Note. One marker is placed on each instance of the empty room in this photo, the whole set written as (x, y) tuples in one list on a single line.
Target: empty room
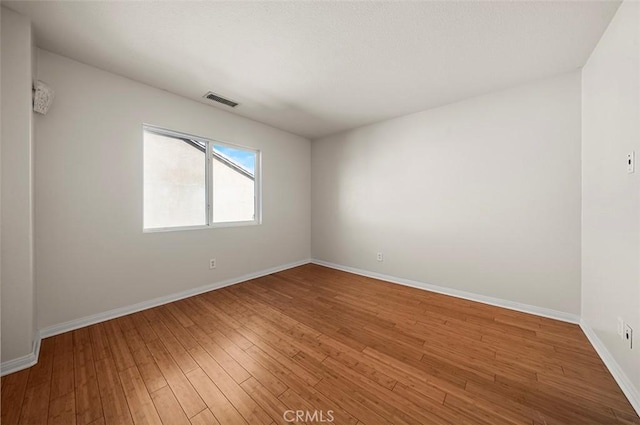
[(320, 212)]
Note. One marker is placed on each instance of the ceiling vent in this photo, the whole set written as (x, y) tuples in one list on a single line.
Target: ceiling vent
[(214, 97)]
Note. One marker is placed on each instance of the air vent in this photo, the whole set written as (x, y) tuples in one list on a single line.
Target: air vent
[(220, 99)]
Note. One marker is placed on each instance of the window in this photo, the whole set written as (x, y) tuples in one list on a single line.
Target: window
[(192, 182)]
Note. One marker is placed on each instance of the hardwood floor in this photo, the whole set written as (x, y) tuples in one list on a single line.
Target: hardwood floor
[(349, 349)]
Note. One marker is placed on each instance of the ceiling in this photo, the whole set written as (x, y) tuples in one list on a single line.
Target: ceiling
[(317, 68)]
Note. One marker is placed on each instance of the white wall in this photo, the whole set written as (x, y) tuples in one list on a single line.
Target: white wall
[(481, 196), (18, 309), (610, 196), (92, 254)]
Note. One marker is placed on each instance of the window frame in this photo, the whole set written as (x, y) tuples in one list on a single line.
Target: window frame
[(209, 143)]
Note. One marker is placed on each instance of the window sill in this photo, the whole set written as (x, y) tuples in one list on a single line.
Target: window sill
[(203, 227)]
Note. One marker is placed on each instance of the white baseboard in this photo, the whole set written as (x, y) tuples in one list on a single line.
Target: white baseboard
[(32, 358), (23, 362), (511, 305), (627, 387), (123, 311)]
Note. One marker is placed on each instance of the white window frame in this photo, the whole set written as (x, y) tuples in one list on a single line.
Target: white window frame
[(209, 143)]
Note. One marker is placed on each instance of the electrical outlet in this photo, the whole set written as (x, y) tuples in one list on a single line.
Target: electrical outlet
[(380, 256), (620, 328), (631, 162), (212, 263), (628, 335)]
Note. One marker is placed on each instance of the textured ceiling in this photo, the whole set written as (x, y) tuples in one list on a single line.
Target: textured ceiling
[(317, 68)]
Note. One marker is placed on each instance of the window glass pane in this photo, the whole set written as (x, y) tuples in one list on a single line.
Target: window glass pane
[(174, 182), (233, 172)]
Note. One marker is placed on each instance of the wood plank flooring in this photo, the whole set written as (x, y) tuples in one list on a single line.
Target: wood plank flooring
[(347, 349)]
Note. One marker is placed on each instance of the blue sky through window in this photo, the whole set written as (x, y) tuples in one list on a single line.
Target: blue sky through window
[(245, 158)]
